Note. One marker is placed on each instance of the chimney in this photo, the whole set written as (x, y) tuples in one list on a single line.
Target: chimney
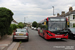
[(70, 9), (63, 13), (58, 14)]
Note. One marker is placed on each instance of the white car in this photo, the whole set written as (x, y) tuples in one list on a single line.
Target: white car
[(38, 28), (32, 28), (21, 34)]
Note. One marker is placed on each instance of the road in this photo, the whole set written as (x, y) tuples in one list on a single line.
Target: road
[(38, 43)]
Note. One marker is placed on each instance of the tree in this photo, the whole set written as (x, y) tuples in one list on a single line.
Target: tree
[(21, 25), (39, 24), (5, 20), (34, 24), (10, 30)]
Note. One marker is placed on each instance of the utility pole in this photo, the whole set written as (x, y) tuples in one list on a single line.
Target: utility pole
[(24, 20), (53, 10)]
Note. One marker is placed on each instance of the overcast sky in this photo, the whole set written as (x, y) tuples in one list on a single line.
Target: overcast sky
[(36, 10)]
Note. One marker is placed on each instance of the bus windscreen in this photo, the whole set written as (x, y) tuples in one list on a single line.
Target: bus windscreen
[(54, 26)]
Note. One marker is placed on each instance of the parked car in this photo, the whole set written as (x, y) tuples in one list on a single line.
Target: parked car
[(26, 28), (71, 33), (32, 28), (21, 34), (38, 28)]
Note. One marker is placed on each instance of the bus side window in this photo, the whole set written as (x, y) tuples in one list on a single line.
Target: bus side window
[(41, 31)]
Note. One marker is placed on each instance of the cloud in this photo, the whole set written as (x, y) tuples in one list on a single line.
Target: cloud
[(35, 10)]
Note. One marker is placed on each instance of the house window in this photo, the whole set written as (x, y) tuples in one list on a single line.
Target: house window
[(73, 16)]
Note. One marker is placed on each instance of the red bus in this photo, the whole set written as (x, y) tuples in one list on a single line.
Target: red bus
[(56, 28)]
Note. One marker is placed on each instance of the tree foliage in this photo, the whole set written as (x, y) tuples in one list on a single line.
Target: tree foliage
[(11, 28), (39, 24), (21, 25), (14, 26), (34, 24), (5, 20)]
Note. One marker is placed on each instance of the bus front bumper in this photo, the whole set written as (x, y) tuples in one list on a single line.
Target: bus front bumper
[(57, 37)]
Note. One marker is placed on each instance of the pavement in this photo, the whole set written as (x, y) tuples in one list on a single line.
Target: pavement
[(13, 46), (5, 41)]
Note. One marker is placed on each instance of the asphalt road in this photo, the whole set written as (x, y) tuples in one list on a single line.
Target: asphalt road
[(38, 43)]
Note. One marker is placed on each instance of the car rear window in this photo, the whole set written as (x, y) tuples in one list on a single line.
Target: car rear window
[(21, 30)]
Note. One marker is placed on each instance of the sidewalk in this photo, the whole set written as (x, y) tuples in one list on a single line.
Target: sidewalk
[(5, 41)]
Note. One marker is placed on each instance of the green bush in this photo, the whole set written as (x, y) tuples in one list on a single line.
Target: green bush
[(14, 26), (11, 28)]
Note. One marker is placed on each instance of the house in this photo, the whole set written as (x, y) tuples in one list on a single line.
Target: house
[(14, 22), (70, 15)]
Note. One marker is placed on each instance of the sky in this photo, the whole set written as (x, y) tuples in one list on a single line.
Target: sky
[(36, 10)]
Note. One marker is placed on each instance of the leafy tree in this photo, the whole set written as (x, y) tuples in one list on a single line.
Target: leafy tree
[(39, 24), (34, 24), (5, 20), (21, 25)]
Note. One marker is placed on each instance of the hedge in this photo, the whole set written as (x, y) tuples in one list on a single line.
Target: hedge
[(5, 20), (11, 28)]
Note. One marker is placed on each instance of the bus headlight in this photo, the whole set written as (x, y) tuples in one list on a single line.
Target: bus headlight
[(49, 34), (66, 34)]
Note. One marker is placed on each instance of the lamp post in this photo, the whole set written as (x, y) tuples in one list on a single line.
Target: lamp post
[(25, 19), (53, 10)]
